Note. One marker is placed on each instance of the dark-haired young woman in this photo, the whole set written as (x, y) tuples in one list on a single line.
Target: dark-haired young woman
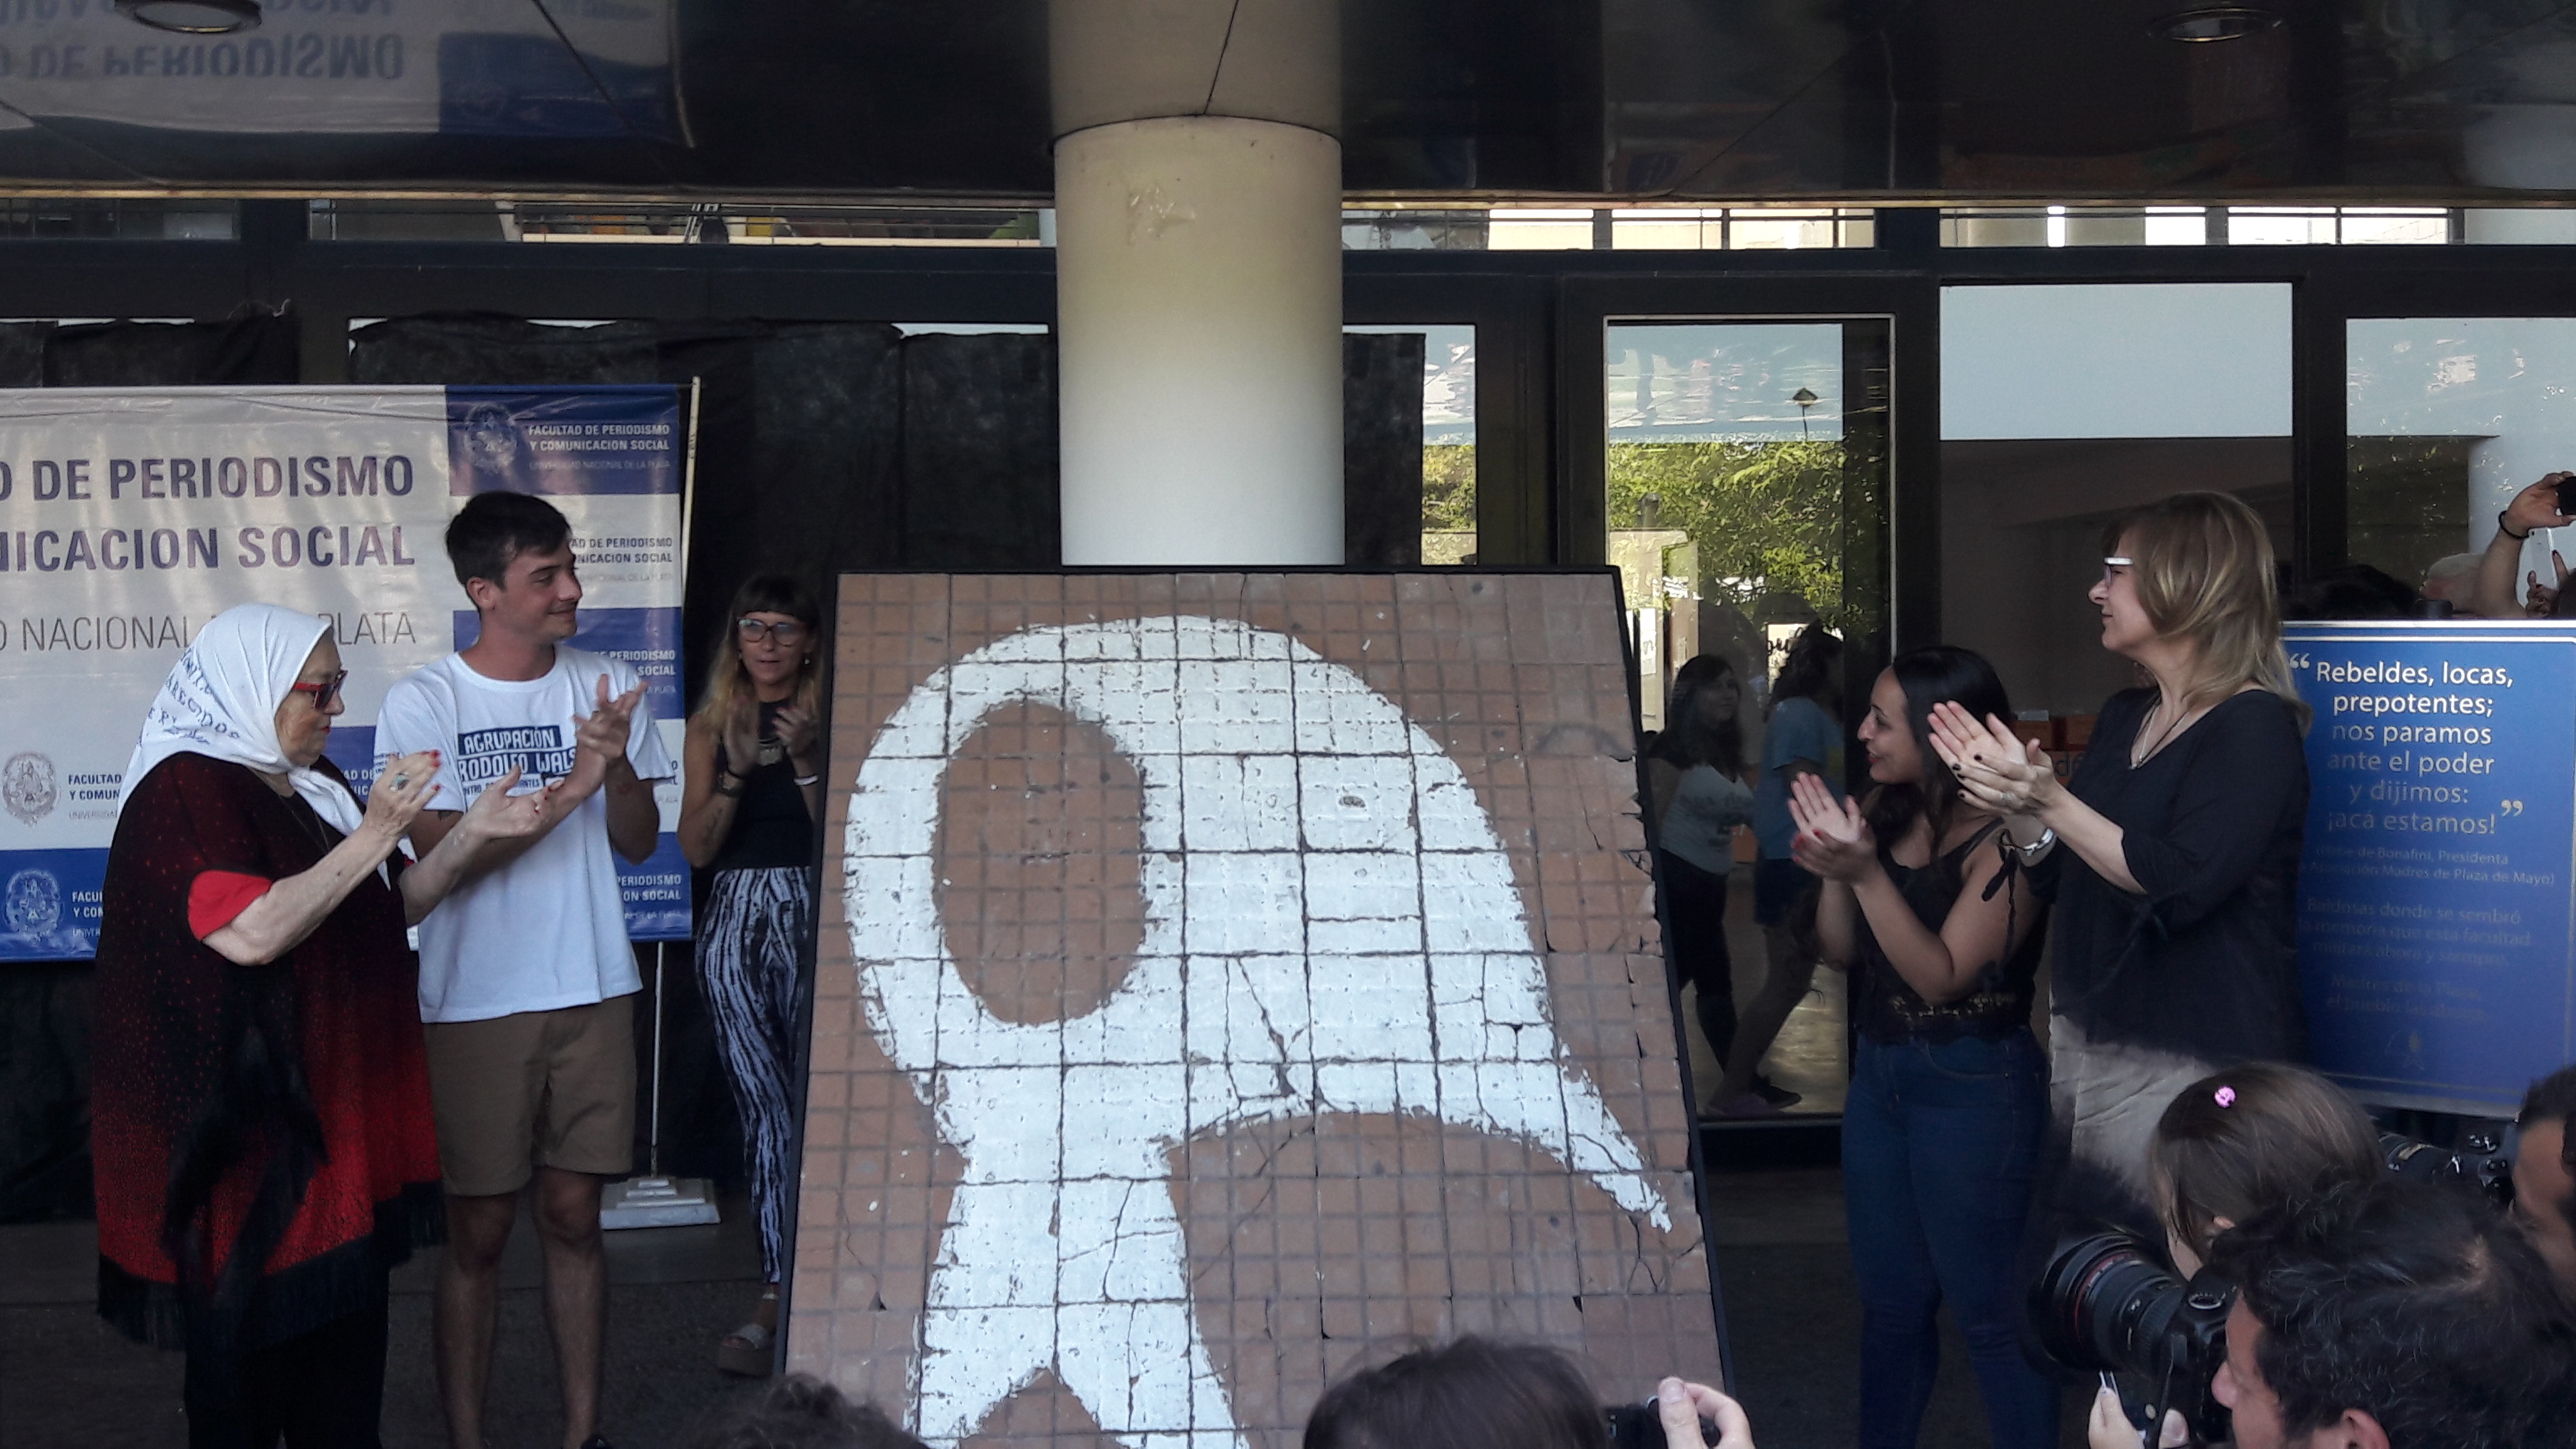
[(1696, 772), (754, 791), (1948, 1096)]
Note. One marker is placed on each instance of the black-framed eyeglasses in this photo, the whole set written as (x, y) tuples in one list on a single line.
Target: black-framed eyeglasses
[(323, 692), (751, 631)]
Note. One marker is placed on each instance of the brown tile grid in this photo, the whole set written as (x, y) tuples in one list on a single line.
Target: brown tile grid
[(1315, 1244)]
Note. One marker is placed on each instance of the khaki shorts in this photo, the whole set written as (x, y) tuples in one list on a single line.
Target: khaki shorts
[(535, 1089)]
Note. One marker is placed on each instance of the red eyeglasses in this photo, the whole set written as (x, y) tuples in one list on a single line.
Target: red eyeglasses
[(324, 692)]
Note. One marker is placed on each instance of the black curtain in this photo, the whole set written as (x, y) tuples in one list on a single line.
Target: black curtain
[(824, 448), (45, 1005)]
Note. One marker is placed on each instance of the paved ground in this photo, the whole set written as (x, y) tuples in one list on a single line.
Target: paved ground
[(1794, 1319), (67, 1379)]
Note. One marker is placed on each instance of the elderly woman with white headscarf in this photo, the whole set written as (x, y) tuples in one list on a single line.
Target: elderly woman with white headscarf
[(260, 1102)]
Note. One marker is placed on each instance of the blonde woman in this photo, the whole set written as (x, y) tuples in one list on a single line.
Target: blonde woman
[(755, 777), (2172, 853)]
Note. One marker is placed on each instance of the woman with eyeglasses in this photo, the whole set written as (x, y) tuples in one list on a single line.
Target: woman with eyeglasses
[(754, 792), (2172, 853), (260, 1095)]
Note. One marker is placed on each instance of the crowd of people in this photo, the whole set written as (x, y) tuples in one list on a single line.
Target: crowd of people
[(2167, 1102), (289, 1101)]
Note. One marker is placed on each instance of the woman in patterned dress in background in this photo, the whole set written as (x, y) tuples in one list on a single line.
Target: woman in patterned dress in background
[(754, 771)]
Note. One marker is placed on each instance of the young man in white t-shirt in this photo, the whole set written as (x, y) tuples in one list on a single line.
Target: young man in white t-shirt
[(527, 981)]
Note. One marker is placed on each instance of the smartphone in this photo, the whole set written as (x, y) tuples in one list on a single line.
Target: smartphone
[(2567, 498)]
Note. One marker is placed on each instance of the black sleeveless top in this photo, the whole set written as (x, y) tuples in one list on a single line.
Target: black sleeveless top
[(771, 828), (1889, 1012)]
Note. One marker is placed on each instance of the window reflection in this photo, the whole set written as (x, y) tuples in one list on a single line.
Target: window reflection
[(2063, 406), (1727, 475), (2446, 418)]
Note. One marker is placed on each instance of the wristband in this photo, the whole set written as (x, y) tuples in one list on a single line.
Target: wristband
[(2507, 529), (2031, 853), (813, 779)]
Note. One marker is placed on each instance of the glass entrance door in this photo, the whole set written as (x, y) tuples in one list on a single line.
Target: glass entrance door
[(1746, 489), (1745, 501)]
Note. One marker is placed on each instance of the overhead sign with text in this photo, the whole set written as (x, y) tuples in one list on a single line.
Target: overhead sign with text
[(2437, 931), (129, 518), (497, 68)]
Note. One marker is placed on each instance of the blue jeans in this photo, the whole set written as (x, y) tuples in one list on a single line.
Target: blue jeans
[(1938, 1142)]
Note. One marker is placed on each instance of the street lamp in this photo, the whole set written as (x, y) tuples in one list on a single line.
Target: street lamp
[(1805, 400)]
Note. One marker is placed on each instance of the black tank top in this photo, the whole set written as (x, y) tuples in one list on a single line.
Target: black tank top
[(771, 827), (1889, 1012)]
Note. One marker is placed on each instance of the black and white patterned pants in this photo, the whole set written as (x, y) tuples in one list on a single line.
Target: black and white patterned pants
[(752, 950)]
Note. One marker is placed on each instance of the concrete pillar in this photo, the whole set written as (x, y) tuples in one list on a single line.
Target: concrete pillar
[(1198, 280)]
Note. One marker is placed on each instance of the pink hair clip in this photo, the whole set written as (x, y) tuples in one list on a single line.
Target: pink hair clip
[(2226, 1096)]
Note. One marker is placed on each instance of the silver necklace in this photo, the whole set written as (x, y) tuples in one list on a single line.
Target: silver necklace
[(2138, 756)]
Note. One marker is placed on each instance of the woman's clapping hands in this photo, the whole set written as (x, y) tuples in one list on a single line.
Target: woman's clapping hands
[(1996, 768), (1833, 840), (402, 787)]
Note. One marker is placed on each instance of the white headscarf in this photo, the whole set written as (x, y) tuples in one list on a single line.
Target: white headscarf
[(221, 700)]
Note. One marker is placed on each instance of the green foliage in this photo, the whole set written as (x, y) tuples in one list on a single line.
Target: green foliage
[(1449, 487), (1766, 516)]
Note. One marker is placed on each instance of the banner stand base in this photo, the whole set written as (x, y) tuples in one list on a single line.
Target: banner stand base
[(657, 1202)]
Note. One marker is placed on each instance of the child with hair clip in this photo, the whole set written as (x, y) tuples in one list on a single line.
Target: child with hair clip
[(2230, 1145)]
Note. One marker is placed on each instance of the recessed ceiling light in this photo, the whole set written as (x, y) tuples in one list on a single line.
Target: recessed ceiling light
[(192, 17), (2214, 22)]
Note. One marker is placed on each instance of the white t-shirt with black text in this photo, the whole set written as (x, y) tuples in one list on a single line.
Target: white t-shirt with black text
[(547, 930)]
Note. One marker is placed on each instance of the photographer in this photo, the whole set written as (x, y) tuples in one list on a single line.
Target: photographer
[(2396, 1314), (2544, 1174), (2249, 1138), (2229, 1147)]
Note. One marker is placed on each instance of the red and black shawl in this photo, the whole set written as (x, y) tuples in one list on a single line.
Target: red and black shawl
[(262, 1134)]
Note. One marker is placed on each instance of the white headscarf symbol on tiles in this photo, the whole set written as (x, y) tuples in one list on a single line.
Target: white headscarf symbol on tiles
[(1330, 925)]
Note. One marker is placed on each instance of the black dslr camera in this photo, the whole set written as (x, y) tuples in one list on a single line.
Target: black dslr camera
[(2107, 1303), (2482, 1166), (1641, 1426)]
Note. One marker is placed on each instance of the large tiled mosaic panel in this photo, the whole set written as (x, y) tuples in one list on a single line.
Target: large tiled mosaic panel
[(1227, 980)]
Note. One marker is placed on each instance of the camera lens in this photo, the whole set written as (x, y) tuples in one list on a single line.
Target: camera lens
[(2106, 1301)]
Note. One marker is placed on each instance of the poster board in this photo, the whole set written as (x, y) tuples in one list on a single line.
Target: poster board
[(129, 517), (1226, 979), (2437, 929)]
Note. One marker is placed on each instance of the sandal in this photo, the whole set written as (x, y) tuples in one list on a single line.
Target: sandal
[(749, 1352)]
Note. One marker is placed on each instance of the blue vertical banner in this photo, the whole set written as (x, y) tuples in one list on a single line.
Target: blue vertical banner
[(614, 460), (2437, 907), (130, 517)]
